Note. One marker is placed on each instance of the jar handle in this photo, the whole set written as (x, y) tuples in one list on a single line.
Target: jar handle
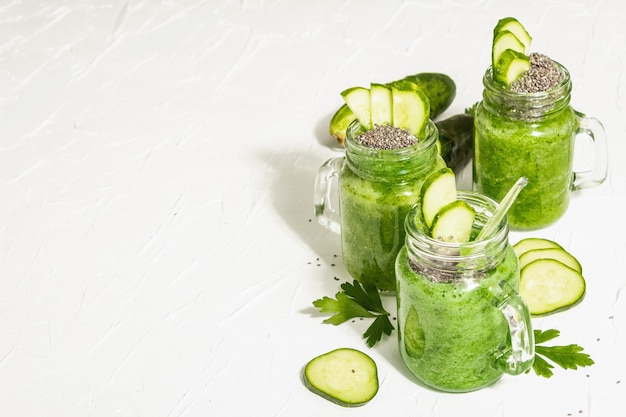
[(520, 355), (593, 128), (325, 213)]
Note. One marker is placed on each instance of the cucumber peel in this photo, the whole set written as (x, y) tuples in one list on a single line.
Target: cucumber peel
[(548, 286), (345, 376)]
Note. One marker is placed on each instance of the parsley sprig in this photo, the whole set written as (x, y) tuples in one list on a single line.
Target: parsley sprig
[(358, 300), (567, 357)]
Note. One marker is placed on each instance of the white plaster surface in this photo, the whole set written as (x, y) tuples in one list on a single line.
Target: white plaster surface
[(158, 249)]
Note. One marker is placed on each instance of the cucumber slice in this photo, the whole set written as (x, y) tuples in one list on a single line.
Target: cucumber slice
[(340, 122), (438, 190), (548, 286), (454, 222), (558, 254), (512, 25), (501, 42), (358, 99), (380, 105), (510, 66), (532, 243), (411, 107), (345, 376)]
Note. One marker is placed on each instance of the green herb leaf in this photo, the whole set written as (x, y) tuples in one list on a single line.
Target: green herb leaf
[(375, 332), (567, 357), (358, 300), (343, 308), (365, 294), (542, 367), (544, 336)]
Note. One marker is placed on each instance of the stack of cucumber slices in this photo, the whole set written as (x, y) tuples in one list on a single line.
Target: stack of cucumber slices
[(509, 51), (551, 278), (401, 104), (448, 218)]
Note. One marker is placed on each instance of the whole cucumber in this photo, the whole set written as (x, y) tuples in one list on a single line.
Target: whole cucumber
[(439, 88), (456, 137)]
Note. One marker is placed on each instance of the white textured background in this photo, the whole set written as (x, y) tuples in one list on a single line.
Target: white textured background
[(158, 255)]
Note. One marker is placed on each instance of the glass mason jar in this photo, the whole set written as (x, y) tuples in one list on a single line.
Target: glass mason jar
[(461, 323), (532, 135), (375, 190)]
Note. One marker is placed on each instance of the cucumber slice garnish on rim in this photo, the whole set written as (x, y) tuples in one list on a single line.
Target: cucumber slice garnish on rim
[(438, 190), (411, 107), (503, 41), (358, 100), (513, 25), (510, 66), (345, 376), (381, 106), (548, 286), (453, 223)]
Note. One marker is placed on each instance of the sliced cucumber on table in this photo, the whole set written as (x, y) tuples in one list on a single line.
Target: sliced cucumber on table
[(548, 286), (558, 254), (532, 243), (345, 376)]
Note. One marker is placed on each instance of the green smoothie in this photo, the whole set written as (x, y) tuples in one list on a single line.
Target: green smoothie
[(377, 187), (506, 149), (451, 330), (527, 134), (372, 230)]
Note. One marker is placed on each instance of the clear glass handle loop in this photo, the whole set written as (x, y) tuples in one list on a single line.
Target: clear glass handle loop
[(593, 128), (519, 357), (325, 213)]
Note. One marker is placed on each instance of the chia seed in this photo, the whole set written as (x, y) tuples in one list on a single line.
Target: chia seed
[(542, 75), (387, 137)]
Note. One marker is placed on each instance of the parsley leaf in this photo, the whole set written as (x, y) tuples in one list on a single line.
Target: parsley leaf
[(567, 357), (358, 300)]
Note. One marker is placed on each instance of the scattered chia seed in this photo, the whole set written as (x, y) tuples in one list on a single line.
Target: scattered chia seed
[(542, 75), (387, 137)]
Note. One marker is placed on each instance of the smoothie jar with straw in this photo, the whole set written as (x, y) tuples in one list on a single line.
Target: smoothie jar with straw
[(461, 323)]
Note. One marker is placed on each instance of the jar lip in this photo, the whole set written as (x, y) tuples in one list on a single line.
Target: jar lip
[(564, 86), (456, 251), (355, 129)]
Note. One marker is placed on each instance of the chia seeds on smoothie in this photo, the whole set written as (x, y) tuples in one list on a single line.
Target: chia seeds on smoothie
[(387, 137), (542, 75)]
